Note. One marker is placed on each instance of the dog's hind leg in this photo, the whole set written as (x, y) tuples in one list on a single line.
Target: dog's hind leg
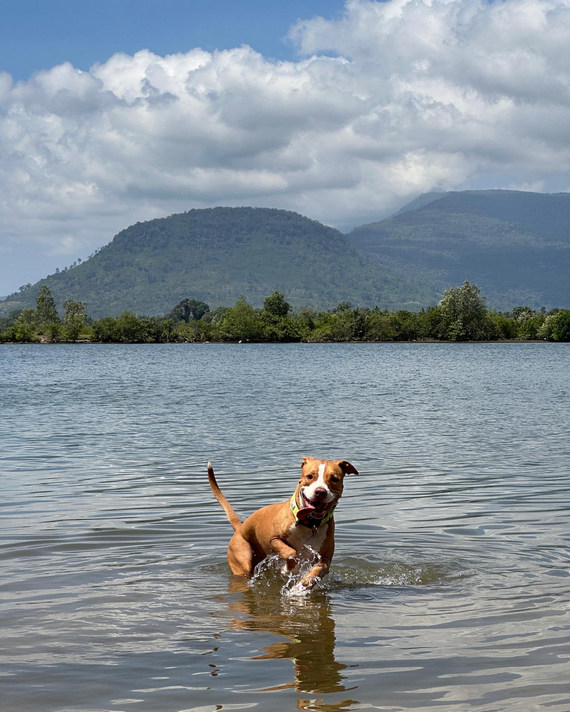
[(240, 556)]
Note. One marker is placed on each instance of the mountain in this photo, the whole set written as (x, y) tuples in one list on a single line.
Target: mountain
[(514, 245), (218, 254)]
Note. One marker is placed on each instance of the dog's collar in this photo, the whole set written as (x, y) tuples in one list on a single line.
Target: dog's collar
[(308, 521)]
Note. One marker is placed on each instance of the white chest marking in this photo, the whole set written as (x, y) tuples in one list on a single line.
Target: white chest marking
[(301, 536)]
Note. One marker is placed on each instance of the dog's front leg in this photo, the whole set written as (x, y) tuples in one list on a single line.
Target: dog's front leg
[(318, 572), (285, 552)]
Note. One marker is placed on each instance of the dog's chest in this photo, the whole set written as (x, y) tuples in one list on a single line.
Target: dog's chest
[(300, 536)]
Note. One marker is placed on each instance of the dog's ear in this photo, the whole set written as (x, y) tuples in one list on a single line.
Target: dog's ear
[(347, 468), (305, 460)]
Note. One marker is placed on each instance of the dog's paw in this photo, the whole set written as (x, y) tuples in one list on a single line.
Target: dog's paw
[(308, 582), (289, 566), (302, 588)]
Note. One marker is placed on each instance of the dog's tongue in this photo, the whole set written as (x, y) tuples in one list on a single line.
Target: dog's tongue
[(310, 511)]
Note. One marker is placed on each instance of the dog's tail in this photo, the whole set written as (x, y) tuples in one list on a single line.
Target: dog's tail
[(228, 509)]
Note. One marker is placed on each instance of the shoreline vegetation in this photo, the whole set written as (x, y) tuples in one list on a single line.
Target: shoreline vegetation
[(460, 316)]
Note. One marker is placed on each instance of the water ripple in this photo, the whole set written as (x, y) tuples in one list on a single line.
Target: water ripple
[(450, 587)]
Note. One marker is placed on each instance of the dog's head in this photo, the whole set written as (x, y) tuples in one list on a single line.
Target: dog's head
[(321, 484)]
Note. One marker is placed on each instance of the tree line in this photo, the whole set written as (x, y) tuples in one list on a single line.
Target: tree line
[(461, 315)]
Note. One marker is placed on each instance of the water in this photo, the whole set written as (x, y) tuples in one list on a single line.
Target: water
[(450, 586)]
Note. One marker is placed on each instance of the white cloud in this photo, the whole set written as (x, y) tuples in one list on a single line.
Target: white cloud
[(392, 99)]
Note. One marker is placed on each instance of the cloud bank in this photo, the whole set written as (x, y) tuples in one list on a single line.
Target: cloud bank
[(391, 100)]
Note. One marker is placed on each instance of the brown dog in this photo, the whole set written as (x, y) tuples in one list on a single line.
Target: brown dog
[(291, 529)]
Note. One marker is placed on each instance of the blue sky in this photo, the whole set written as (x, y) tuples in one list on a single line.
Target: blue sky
[(37, 34), (117, 112)]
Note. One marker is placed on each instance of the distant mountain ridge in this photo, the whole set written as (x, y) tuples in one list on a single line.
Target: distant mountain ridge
[(514, 245), (218, 254)]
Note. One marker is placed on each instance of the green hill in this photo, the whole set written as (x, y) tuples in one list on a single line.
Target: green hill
[(515, 246), (216, 255)]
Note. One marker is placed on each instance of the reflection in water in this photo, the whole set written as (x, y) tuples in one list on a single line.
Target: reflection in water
[(306, 627)]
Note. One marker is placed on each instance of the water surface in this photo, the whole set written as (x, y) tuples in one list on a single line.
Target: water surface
[(450, 587)]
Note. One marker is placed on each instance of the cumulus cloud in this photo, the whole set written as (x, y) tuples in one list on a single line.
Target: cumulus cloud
[(390, 100)]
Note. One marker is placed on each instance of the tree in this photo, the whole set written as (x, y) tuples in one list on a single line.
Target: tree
[(379, 326), (342, 307), (405, 325), (241, 323), (278, 326), (189, 309), (157, 329), (464, 315), (73, 319), (45, 307), (52, 332), (130, 328), (429, 323), (26, 326), (556, 326), (105, 330), (505, 326), (523, 314), (528, 321), (276, 306), (197, 331)]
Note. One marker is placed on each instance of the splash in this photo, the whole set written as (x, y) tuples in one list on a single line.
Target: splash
[(271, 573), (351, 573), (355, 572)]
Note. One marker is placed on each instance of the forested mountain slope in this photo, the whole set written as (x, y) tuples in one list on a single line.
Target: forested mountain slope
[(514, 245), (218, 254)]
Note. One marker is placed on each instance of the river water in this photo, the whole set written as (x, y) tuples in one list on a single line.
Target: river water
[(450, 586)]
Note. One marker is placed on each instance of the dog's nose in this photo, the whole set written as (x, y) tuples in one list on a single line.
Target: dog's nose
[(320, 492)]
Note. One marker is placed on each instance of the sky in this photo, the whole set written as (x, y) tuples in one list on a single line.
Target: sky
[(121, 111)]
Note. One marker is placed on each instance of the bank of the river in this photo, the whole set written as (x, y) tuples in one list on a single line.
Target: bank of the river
[(460, 316)]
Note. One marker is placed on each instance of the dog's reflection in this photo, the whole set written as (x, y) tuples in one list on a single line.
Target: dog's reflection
[(307, 629)]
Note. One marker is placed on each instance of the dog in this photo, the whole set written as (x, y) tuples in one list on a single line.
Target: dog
[(292, 529)]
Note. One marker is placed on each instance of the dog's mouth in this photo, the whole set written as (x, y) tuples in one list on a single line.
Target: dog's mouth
[(315, 508)]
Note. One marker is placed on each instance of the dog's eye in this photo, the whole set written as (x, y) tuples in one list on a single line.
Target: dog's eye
[(335, 479), (310, 477)]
